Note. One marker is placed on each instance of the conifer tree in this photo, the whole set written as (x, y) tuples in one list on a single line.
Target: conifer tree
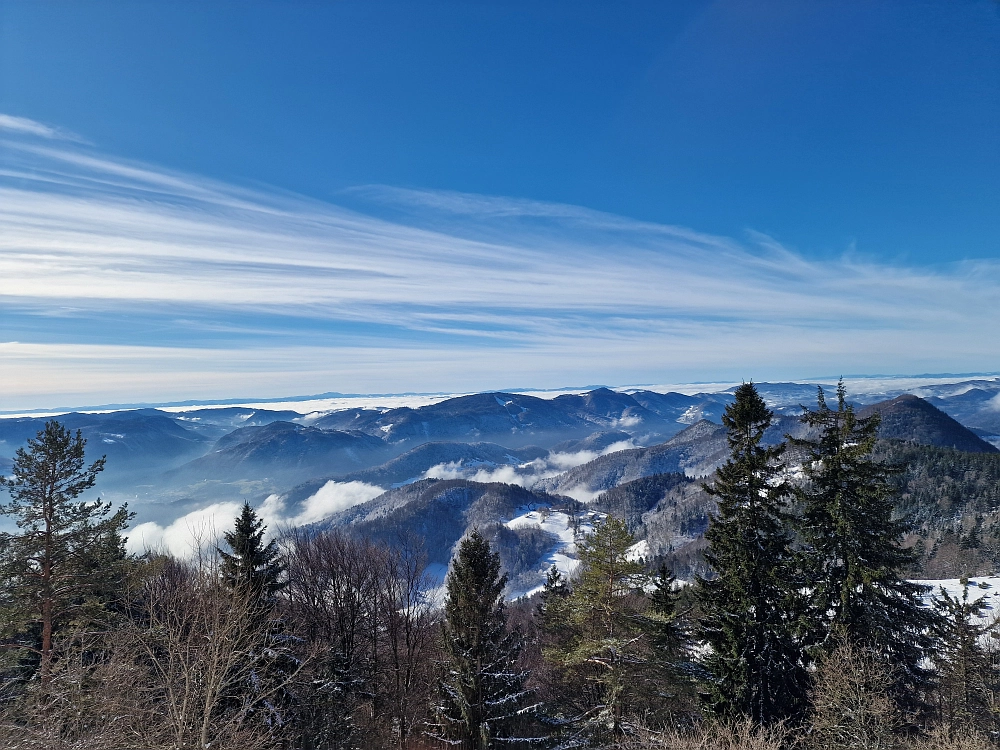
[(550, 614), (251, 568), (852, 555), (252, 572), (67, 560), (749, 621), (481, 696), (600, 632), (964, 668), (668, 636), (326, 719)]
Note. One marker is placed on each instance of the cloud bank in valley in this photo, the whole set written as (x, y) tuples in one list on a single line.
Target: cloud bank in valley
[(122, 281), (331, 498), (527, 474), (202, 529)]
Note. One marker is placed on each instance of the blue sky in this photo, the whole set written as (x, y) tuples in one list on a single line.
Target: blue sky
[(205, 200)]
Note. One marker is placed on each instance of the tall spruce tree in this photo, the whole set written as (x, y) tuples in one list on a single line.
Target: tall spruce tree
[(66, 562), (252, 568), (852, 557), (252, 572), (749, 608), (481, 696), (669, 635)]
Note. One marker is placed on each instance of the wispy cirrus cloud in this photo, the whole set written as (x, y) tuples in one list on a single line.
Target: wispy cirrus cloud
[(126, 281), (24, 126)]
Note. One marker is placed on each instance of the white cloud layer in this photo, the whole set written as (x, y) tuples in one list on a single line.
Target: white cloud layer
[(202, 529), (331, 498), (473, 293), (199, 530), (527, 474)]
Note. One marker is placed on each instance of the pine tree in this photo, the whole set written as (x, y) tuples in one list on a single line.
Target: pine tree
[(67, 561), (482, 695), (670, 646), (669, 637), (549, 613), (852, 555), (600, 633), (755, 662)]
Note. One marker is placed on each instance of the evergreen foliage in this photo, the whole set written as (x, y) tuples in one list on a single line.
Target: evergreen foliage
[(809, 634), (966, 679), (549, 609), (749, 609), (954, 497), (326, 720), (852, 556), (606, 637), (251, 568), (66, 562), (669, 636), (252, 571), (939, 483), (481, 695)]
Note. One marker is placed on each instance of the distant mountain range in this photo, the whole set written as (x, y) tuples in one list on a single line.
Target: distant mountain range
[(475, 460)]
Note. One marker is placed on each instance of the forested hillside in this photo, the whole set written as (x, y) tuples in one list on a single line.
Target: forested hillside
[(953, 498)]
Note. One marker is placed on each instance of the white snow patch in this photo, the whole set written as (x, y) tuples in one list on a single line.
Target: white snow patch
[(981, 588), (638, 551)]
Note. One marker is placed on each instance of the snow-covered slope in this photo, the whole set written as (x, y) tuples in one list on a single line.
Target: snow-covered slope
[(564, 552)]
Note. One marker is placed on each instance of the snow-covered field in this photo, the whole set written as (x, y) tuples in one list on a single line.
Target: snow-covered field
[(985, 588)]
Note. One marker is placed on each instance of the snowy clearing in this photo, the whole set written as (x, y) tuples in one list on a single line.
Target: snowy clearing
[(564, 552)]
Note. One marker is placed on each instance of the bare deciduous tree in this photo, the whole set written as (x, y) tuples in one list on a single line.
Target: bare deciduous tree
[(361, 610), (852, 707), (196, 641)]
